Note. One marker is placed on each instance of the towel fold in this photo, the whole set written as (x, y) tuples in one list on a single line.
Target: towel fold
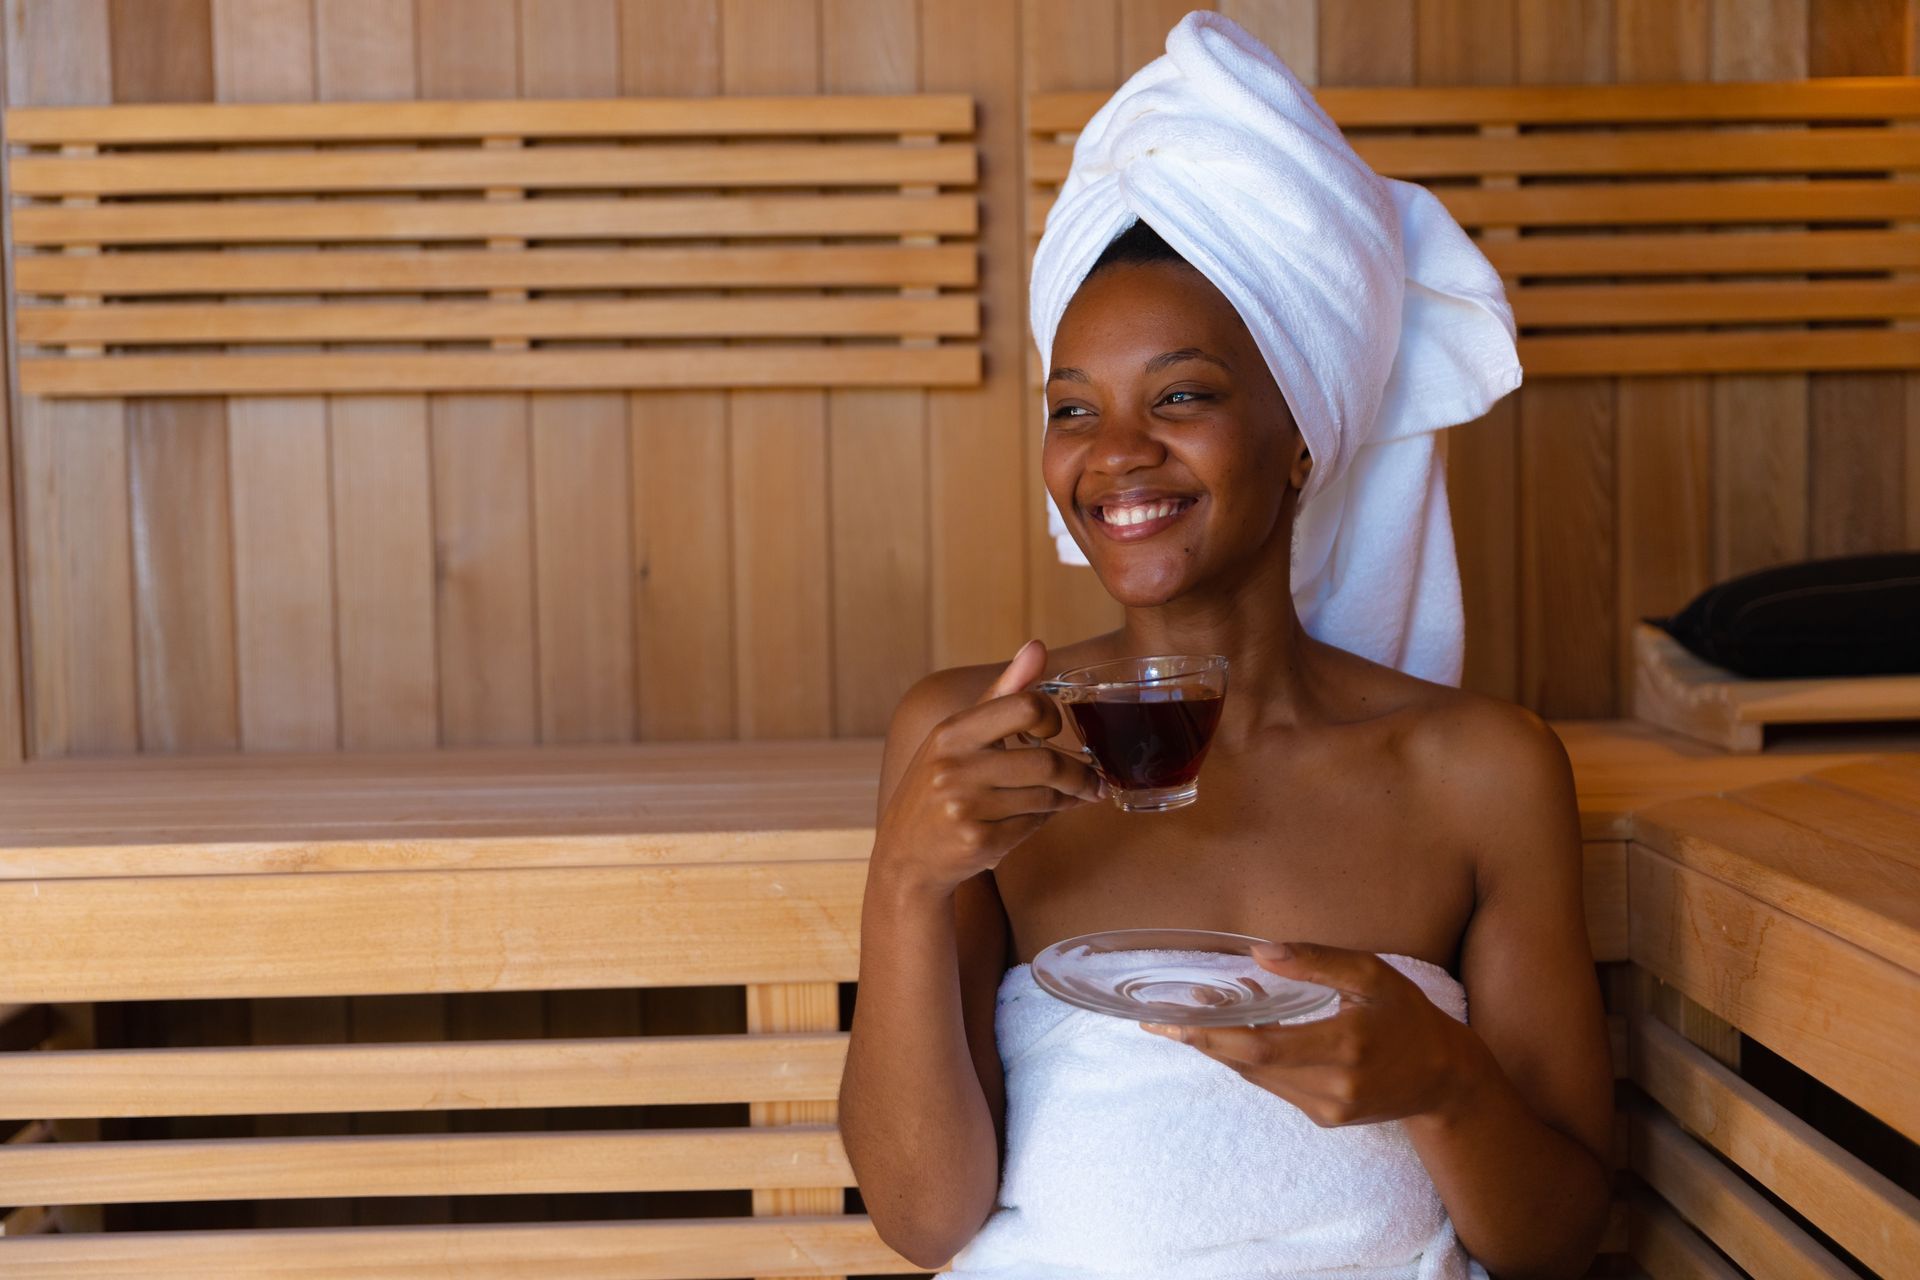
[(1131, 1156), (1380, 319)]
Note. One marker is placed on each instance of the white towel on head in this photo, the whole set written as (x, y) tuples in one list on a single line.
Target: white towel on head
[(1133, 1157), (1380, 319)]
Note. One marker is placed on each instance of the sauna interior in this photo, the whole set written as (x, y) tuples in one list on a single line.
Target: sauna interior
[(479, 475)]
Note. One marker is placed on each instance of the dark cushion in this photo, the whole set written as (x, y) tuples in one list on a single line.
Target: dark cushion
[(1850, 616)]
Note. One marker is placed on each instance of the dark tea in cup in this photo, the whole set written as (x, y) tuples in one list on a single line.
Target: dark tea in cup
[(1146, 723)]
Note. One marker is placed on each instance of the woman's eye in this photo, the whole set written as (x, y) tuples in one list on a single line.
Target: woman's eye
[(1066, 411), (1192, 396)]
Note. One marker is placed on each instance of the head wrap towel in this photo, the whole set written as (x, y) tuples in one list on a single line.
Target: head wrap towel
[(1380, 319)]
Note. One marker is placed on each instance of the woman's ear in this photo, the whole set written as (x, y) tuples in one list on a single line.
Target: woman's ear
[(1302, 464)]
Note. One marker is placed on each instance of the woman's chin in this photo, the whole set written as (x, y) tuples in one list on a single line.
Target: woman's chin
[(1144, 586)]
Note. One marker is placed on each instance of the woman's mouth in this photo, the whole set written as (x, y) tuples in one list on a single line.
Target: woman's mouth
[(1131, 521)]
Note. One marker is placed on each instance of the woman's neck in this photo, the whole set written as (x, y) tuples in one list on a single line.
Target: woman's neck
[(1272, 679)]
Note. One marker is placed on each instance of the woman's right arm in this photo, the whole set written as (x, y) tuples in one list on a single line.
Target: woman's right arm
[(922, 1102)]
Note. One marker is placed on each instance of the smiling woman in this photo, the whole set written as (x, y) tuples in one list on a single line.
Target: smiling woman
[(1245, 377)]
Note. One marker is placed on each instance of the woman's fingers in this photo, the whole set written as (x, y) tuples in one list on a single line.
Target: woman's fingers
[(1310, 1044), (1354, 973)]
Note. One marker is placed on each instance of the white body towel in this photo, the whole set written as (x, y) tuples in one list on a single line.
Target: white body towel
[(1130, 1157), (1380, 319)]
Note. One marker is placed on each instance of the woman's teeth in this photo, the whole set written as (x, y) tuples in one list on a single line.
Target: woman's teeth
[(1141, 513)]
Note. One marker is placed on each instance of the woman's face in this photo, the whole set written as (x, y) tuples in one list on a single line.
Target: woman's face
[(1169, 449)]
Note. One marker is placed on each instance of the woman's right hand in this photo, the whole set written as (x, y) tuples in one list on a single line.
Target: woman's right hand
[(966, 799)]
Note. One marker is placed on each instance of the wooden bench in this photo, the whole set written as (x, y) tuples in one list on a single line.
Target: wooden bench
[(734, 865)]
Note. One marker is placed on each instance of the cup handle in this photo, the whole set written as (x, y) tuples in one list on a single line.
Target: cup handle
[(1052, 688)]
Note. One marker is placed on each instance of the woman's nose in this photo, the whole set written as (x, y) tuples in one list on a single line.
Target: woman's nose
[(1124, 442)]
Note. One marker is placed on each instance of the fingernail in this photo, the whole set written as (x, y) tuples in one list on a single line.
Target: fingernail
[(1273, 950)]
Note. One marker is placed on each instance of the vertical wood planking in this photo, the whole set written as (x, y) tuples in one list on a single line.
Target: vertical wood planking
[(1665, 424), (1066, 44), (1566, 530), (1759, 420), (381, 480), (783, 659), (75, 535), (282, 559), (482, 508), (1459, 42), (483, 549), (581, 471), (1367, 42), (278, 455), (1858, 433), (681, 480), (1291, 28), (1143, 30), (177, 454), (876, 439)]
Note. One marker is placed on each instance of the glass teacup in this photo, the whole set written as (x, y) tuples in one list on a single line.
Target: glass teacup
[(1146, 723)]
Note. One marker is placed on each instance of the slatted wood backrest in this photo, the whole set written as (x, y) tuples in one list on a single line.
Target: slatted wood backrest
[(1698, 228), (488, 245), (786, 930)]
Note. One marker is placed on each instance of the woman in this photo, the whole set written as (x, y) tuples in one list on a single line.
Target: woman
[(1410, 843)]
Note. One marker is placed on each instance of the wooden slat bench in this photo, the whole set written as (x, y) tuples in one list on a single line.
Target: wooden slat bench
[(1646, 229), (740, 865), (356, 247)]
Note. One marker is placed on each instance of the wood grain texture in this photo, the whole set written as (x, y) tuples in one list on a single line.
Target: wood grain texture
[(1368, 42), (278, 453), (1826, 1005), (633, 1251), (582, 510), (1567, 596), (876, 441), (783, 642), (1461, 43), (1291, 28), (1064, 46), (381, 485), (1664, 488)]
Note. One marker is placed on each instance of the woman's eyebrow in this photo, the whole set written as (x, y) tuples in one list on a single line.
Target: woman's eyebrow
[(1166, 358), (1068, 373)]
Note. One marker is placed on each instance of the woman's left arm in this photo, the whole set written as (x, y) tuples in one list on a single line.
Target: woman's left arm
[(1512, 1116)]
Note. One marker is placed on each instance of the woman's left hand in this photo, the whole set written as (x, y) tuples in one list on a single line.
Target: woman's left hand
[(1388, 1054)]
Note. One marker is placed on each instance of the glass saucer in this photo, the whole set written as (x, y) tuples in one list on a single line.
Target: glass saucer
[(1186, 977)]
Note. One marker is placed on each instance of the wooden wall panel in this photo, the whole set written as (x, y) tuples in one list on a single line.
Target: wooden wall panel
[(682, 499), (1858, 435), (408, 570), (287, 693), (783, 642), (1469, 42), (1071, 44), (482, 517), (583, 570)]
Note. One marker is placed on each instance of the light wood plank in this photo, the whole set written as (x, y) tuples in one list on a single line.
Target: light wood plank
[(1567, 548), (1824, 1004), (77, 550), (346, 934), (1855, 461), (660, 266), (687, 367), (1735, 1217), (669, 1250), (746, 165), (1759, 472), (181, 324), (666, 117), (800, 1156), (1862, 1210), (813, 1007), (1871, 900), (1718, 251), (663, 217), (1661, 1241), (783, 668)]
